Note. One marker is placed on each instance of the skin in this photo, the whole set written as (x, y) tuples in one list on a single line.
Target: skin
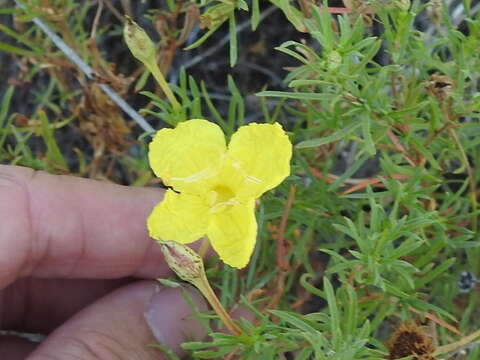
[(77, 265)]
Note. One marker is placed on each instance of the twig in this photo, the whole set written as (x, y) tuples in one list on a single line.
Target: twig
[(373, 181), (436, 320), (96, 19), (400, 147), (87, 70), (281, 245), (127, 7), (436, 133), (454, 346), (283, 264), (114, 11)]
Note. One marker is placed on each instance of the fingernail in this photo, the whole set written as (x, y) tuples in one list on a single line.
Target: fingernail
[(172, 319)]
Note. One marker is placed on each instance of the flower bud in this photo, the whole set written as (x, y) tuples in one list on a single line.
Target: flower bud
[(334, 60), (140, 45), (185, 262), (216, 15)]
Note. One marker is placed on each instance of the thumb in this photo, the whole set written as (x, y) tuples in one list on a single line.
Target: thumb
[(123, 325)]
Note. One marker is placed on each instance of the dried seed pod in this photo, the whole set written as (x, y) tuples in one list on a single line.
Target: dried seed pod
[(410, 340), (440, 86), (138, 42), (185, 262)]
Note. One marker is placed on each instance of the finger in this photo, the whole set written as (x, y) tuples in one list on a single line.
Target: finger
[(15, 348), (115, 327), (62, 226), (41, 305)]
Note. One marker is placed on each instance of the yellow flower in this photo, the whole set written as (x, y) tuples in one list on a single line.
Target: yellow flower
[(215, 186)]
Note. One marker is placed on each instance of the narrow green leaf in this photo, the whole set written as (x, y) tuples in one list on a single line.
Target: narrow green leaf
[(16, 50), (347, 174), (338, 135), (9, 11), (432, 274), (240, 104), (232, 28), (295, 95), (5, 107), (332, 307), (21, 38), (212, 107), (255, 14), (203, 38), (367, 134), (54, 155), (294, 319)]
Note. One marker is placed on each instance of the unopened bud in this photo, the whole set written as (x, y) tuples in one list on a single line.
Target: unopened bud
[(216, 15), (138, 42), (185, 262), (334, 60)]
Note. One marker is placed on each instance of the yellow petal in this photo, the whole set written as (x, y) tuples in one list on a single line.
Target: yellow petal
[(182, 218), (189, 156), (233, 233), (261, 153)]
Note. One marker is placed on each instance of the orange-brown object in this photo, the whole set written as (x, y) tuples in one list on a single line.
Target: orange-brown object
[(410, 340), (440, 86)]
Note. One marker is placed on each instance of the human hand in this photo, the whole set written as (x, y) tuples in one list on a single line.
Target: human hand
[(72, 253)]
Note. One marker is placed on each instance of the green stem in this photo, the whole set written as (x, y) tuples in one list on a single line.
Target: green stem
[(203, 285), (152, 66)]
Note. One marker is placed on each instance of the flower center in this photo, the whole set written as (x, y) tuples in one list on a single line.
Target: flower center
[(220, 197)]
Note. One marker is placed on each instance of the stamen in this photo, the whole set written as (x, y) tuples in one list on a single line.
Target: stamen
[(204, 174), (217, 207), (253, 179), (236, 165)]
